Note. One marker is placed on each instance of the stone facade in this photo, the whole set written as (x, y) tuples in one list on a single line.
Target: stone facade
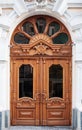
[(12, 12)]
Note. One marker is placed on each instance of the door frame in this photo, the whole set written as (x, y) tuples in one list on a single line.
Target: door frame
[(40, 44)]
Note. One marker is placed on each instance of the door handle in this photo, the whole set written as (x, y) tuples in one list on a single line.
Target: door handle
[(41, 97), (37, 97)]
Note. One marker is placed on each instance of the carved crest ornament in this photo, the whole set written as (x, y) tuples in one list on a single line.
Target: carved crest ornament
[(41, 49), (41, 3)]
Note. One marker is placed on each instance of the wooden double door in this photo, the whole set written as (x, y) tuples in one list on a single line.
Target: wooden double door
[(41, 91)]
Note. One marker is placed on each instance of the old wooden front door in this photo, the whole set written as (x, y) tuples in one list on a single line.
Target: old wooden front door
[(40, 76)]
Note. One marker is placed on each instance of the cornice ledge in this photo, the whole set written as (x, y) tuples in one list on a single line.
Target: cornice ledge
[(76, 22), (3, 61), (77, 26), (5, 27), (75, 5), (6, 3), (79, 62), (79, 40), (3, 24)]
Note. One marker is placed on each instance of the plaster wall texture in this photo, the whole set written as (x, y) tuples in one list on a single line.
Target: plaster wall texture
[(69, 13)]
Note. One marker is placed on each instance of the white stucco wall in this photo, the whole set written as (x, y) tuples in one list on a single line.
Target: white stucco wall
[(69, 12)]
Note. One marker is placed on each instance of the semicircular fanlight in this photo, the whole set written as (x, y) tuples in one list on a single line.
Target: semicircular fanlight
[(62, 38), (53, 28), (20, 38)]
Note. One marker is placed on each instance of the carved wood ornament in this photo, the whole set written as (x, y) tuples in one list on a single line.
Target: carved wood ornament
[(40, 43)]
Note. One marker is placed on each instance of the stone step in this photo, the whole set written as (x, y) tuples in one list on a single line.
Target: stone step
[(39, 128)]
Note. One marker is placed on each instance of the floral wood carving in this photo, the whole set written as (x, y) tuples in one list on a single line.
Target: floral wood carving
[(55, 102), (25, 102)]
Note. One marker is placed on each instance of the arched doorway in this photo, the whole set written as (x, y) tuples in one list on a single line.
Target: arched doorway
[(41, 72)]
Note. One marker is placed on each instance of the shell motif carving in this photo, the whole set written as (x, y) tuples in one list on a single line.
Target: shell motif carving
[(40, 44), (41, 37)]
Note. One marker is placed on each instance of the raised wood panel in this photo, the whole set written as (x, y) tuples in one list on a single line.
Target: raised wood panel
[(24, 122), (58, 122), (25, 114), (55, 114)]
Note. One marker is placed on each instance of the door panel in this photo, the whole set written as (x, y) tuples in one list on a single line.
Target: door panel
[(25, 101), (41, 92), (56, 107)]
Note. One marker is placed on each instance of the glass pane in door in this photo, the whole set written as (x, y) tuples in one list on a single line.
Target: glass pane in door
[(26, 81), (28, 28), (41, 23), (56, 81), (53, 28)]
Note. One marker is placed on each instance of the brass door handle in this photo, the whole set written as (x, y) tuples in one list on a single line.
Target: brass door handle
[(41, 97)]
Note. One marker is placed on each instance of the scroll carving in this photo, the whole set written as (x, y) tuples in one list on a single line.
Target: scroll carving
[(40, 44), (26, 102), (56, 102), (41, 49)]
